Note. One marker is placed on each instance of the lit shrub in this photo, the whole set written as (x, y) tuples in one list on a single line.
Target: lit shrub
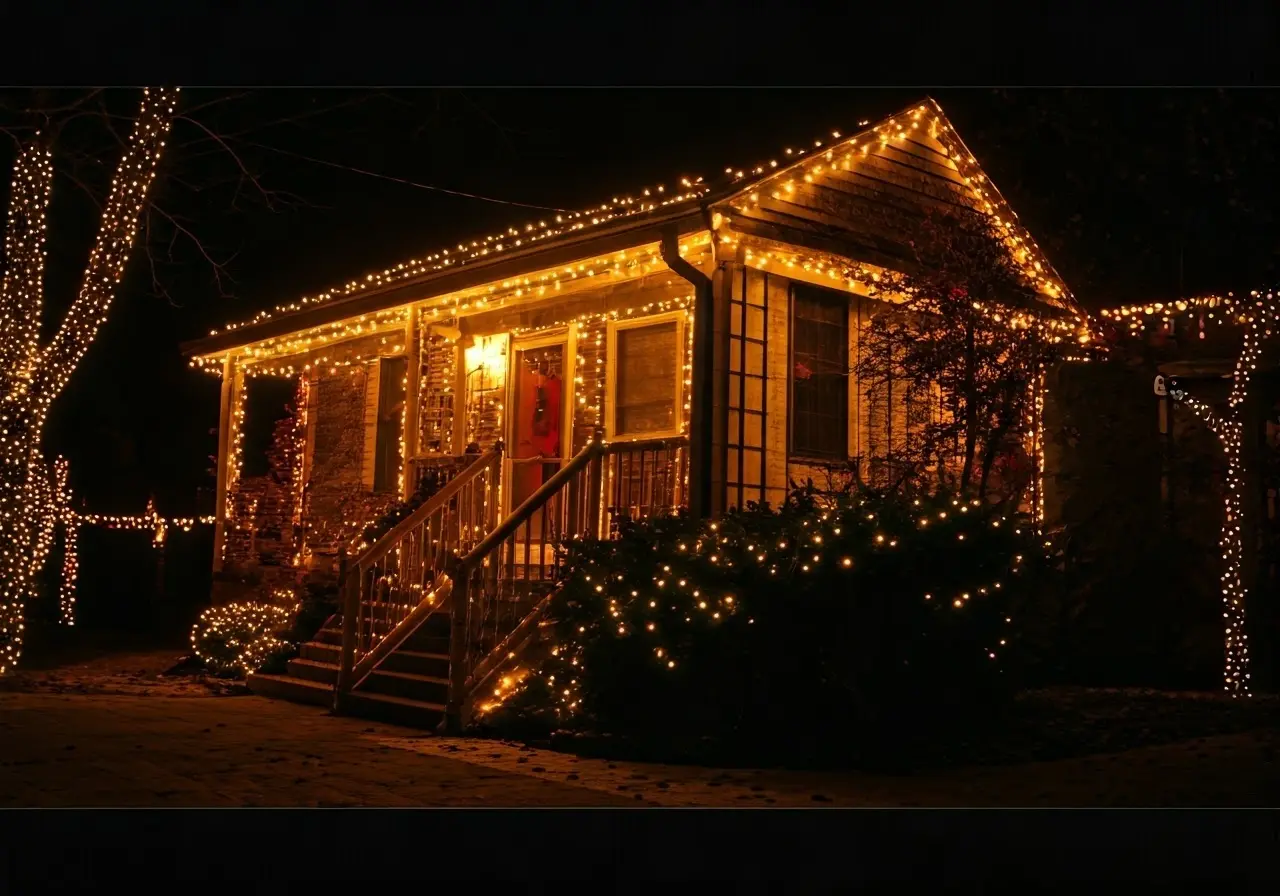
[(882, 617), (241, 637)]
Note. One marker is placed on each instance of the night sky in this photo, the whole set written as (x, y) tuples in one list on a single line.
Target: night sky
[(1135, 194)]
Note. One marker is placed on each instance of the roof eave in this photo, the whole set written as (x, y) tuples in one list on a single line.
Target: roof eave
[(687, 219)]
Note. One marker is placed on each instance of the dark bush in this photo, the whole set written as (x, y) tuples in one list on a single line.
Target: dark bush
[(879, 619)]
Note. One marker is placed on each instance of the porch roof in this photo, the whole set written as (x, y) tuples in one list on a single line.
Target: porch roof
[(622, 223)]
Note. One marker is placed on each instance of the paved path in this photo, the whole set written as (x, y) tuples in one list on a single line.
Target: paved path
[(113, 750), (166, 749)]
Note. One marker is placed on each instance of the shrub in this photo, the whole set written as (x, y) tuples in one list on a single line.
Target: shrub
[(870, 616), (241, 637)]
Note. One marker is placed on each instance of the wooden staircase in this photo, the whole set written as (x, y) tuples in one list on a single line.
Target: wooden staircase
[(410, 687), (448, 599)]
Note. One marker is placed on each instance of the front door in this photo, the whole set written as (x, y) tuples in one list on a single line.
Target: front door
[(539, 422)]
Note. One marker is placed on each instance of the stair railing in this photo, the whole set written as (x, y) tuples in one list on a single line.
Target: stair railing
[(391, 588), (502, 586)]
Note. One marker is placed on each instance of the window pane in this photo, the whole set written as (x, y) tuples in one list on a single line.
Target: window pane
[(819, 374), (647, 367)]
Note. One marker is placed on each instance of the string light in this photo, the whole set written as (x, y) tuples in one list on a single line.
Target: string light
[(32, 376), (62, 513)]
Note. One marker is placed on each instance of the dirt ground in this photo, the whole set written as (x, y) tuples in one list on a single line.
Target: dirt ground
[(114, 731)]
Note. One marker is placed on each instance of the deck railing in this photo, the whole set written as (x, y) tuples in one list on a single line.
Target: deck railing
[(645, 478)]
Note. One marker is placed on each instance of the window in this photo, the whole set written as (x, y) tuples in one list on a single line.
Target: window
[(644, 373), (386, 459), (819, 374)]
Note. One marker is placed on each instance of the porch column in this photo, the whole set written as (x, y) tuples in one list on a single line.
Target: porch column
[(460, 395), (230, 390), (413, 372)]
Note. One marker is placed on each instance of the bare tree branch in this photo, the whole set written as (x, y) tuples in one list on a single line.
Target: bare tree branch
[(267, 196), (220, 269)]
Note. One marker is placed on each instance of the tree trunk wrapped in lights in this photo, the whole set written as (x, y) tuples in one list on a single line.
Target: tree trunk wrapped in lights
[(1256, 315), (1260, 314), (32, 376)]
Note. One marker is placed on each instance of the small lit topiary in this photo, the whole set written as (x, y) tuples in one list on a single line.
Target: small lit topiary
[(240, 637)]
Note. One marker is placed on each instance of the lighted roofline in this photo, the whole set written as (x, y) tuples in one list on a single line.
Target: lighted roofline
[(746, 183), (356, 302), (491, 295), (563, 250)]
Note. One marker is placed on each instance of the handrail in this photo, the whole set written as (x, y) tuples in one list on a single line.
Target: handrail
[(385, 556), (430, 506), (531, 504), (622, 446)]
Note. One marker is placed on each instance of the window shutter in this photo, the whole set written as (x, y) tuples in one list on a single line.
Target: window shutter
[(369, 457)]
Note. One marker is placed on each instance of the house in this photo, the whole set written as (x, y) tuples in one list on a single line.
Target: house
[(631, 359)]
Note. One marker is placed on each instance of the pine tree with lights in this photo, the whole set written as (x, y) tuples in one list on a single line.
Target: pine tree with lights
[(32, 375)]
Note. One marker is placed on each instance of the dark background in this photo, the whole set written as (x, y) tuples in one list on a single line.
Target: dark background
[(268, 195)]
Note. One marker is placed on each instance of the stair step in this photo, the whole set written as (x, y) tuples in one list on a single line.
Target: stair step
[(394, 682), (311, 670), (424, 688), (418, 662), (395, 710), (287, 687), (376, 707)]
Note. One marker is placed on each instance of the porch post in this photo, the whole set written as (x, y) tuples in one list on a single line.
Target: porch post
[(413, 364), (230, 387), (460, 398)]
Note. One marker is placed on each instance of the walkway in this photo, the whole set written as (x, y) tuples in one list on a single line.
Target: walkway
[(156, 750)]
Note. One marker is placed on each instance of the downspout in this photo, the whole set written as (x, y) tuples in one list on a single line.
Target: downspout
[(702, 400)]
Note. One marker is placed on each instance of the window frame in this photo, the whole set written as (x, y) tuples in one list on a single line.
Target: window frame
[(835, 299), (613, 328)]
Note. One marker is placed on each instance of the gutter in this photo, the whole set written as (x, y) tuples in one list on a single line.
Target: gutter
[(702, 401)]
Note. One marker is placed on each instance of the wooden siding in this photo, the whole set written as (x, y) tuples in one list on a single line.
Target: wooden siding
[(866, 209)]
